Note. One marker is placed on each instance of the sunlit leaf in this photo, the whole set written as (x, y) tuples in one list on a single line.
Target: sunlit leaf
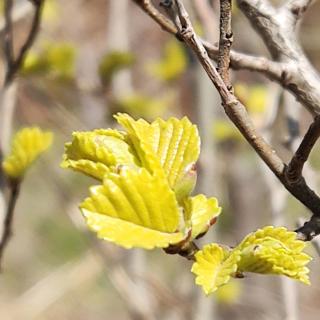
[(271, 250), (27, 145), (97, 152), (201, 212), (128, 234), (274, 250), (214, 267), (175, 143), (137, 198)]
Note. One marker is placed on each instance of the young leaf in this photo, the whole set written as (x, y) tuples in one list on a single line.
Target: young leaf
[(128, 234), (97, 152), (175, 143), (138, 198), (214, 267), (201, 213), (274, 250), (27, 146)]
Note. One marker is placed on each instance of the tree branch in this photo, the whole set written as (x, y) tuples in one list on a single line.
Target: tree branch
[(8, 221), (153, 12), (237, 112), (6, 103), (278, 32), (225, 41), (239, 116), (295, 167), (299, 79)]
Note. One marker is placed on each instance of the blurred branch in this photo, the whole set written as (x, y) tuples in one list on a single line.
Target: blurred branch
[(36, 300), (8, 36), (7, 102), (8, 221), (14, 63), (18, 13)]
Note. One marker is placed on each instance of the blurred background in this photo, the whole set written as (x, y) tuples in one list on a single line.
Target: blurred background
[(91, 60)]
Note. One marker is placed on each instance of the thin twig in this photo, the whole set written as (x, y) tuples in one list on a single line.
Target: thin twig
[(274, 70), (8, 36), (295, 166), (263, 15), (13, 64), (225, 41), (278, 30), (239, 116), (8, 221), (162, 20)]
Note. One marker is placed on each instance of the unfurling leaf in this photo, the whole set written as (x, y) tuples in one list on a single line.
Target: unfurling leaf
[(269, 250), (97, 152), (274, 251), (147, 174), (27, 146), (201, 213), (214, 267)]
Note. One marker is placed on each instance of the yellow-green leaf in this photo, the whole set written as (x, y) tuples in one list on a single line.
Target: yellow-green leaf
[(96, 170), (128, 234), (97, 152), (27, 145), (274, 250), (175, 143), (137, 197), (201, 213), (214, 267)]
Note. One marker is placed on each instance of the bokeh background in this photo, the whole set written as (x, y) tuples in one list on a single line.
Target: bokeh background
[(91, 60)]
